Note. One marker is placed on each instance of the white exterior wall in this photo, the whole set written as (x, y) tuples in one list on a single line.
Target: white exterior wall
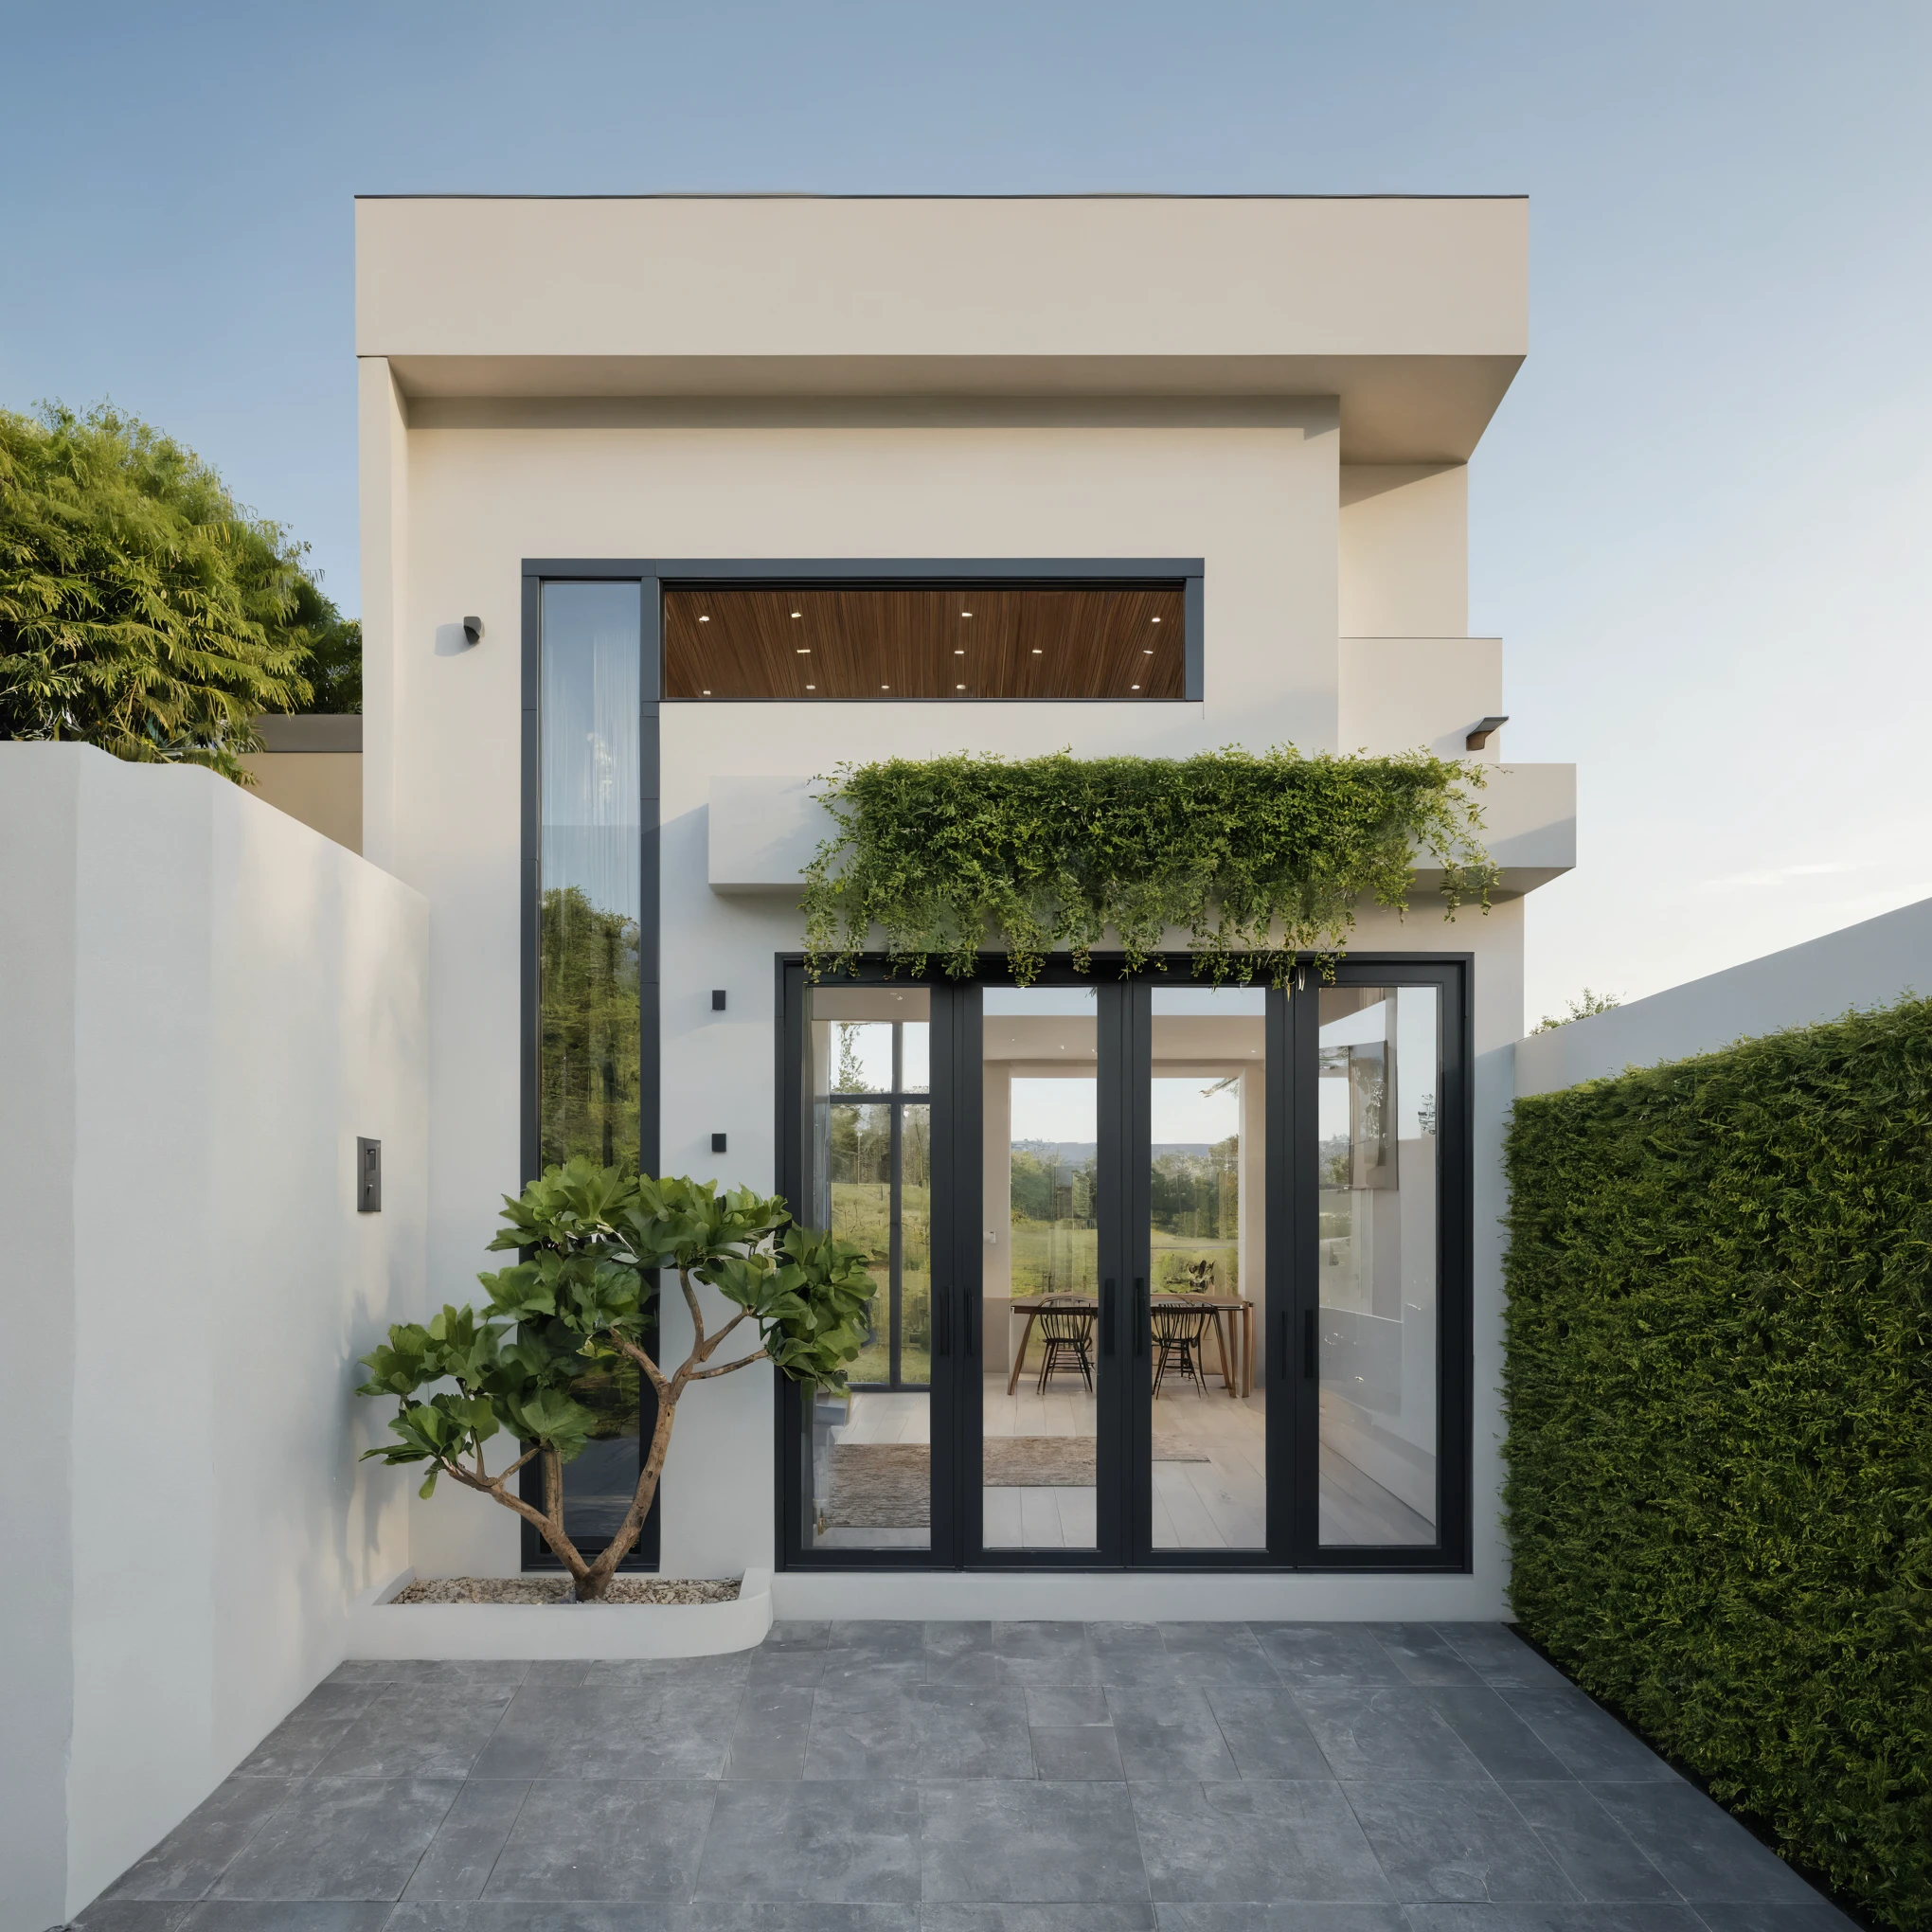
[(204, 1003), (1871, 964)]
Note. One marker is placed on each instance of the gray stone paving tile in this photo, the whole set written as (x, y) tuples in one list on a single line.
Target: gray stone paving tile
[(1214, 1843), (1027, 1842), (340, 1838), (559, 1673), (1499, 1657), (1387, 1734), (651, 1915), (877, 1672), (1060, 1706), (189, 1859), (1421, 1655), (286, 1915), (1814, 1914), (1044, 1654), (965, 1732), (1699, 1847), (1282, 1916), (473, 1679), (1597, 1854), (1505, 1746), (774, 1724), (132, 1915), (657, 1729), (1336, 1656), (1169, 1732), (963, 1639), (857, 1732), (1125, 1639), (1264, 1731), (793, 1634), (294, 1747), (1225, 1653), (878, 1636), (618, 1839), (1125, 1916), (410, 1732), (1551, 1917), (1077, 1754), (1456, 1842), (468, 1842), (1590, 1743), (853, 1841), (684, 1674), (329, 1700), (770, 1668)]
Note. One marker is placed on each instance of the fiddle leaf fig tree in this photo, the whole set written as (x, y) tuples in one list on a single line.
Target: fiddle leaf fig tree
[(595, 1245)]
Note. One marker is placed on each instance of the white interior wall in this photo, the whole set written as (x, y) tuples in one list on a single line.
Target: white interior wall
[(232, 998), (1404, 550)]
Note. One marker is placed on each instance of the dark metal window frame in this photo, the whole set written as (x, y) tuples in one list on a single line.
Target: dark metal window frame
[(944, 572), (1292, 1277), (536, 573)]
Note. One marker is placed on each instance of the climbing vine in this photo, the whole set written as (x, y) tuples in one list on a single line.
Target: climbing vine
[(1256, 855)]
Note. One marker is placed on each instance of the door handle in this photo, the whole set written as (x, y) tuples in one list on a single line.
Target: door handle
[(1139, 1316), (943, 1311), (1308, 1346), (966, 1321), (1106, 1317)]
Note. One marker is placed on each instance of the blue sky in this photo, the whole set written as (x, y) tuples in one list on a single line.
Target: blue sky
[(1700, 522)]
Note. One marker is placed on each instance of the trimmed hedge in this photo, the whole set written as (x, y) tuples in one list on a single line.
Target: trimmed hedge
[(1719, 1380)]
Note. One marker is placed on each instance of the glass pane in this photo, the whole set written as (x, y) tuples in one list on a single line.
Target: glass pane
[(1039, 1287), (1206, 1237), (868, 1459), (589, 882), (1381, 1073)]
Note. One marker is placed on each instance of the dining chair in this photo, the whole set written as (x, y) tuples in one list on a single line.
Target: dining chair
[(1069, 1334), (1178, 1332)]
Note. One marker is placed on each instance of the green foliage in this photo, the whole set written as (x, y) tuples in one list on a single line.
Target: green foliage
[(141, 608), (1583, 1007), (589, 1061), (1256, 855), (1719, 1377)]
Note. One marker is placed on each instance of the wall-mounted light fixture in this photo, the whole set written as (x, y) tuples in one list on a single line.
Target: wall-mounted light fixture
[(472, 630), (1480, 736)]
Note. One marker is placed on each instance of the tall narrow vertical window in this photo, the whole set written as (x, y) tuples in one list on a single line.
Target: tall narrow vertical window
[(1378, 1267), (589, 886), (868, 1462)]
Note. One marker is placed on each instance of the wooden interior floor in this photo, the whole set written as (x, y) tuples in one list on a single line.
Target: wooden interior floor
[(1209, 1480)]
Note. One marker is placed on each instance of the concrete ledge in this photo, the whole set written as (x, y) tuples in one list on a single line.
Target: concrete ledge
[(763, 830), (383, 1629)]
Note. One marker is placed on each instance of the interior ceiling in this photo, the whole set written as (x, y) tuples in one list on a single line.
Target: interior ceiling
[(894, 645)]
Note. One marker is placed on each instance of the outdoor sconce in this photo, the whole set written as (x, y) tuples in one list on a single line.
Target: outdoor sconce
[(472, 630), (1480, 736), (717, 1143)]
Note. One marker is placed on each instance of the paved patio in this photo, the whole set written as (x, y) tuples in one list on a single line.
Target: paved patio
[(968, 1778)]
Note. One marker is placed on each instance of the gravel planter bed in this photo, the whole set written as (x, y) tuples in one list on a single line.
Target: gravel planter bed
[(485, 1618), (557, 1590)]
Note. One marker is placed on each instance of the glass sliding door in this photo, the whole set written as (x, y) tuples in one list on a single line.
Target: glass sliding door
[(590, 884), (1378, 1269), (1205, 1166), (867, 1460), (1040, 1286)]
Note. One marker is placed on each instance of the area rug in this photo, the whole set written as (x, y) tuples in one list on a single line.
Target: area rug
[(886, 1485)]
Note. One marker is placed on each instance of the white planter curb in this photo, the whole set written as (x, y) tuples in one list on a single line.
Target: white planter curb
[(384, 1629)]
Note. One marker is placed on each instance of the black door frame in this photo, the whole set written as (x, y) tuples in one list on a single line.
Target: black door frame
[(1284, 1339)]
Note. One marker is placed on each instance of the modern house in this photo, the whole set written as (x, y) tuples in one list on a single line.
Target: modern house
[(1186, 1299)]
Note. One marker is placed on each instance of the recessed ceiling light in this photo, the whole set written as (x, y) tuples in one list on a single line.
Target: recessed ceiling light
[(959, 654), (1147, 653), (959, 688), (802, 650), (887, 688), (703, 621), (813, 687), (1156, 620), (1134, 688), (703, 694), (1039, 654), (965, 613), (798, 613)]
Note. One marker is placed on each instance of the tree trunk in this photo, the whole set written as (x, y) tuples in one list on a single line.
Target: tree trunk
[(596, 1580)]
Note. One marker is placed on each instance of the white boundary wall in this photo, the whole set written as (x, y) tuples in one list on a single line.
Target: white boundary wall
[(1871, 964), (202, 1004)]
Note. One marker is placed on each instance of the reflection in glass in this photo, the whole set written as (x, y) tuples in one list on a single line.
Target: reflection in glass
[(1039, 1291), (866, 1462), (589, 884), (1379, 1079), (1206, 1203)]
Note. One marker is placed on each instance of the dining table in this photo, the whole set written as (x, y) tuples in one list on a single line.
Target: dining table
[(1234, 1330)]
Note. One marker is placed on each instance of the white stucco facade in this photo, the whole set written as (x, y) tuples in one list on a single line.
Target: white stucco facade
[(1291, 396)]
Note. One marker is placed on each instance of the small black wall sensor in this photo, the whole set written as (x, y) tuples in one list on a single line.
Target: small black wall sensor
[(368, 1176), (472, 630), (717, 1143), (718, 999)]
